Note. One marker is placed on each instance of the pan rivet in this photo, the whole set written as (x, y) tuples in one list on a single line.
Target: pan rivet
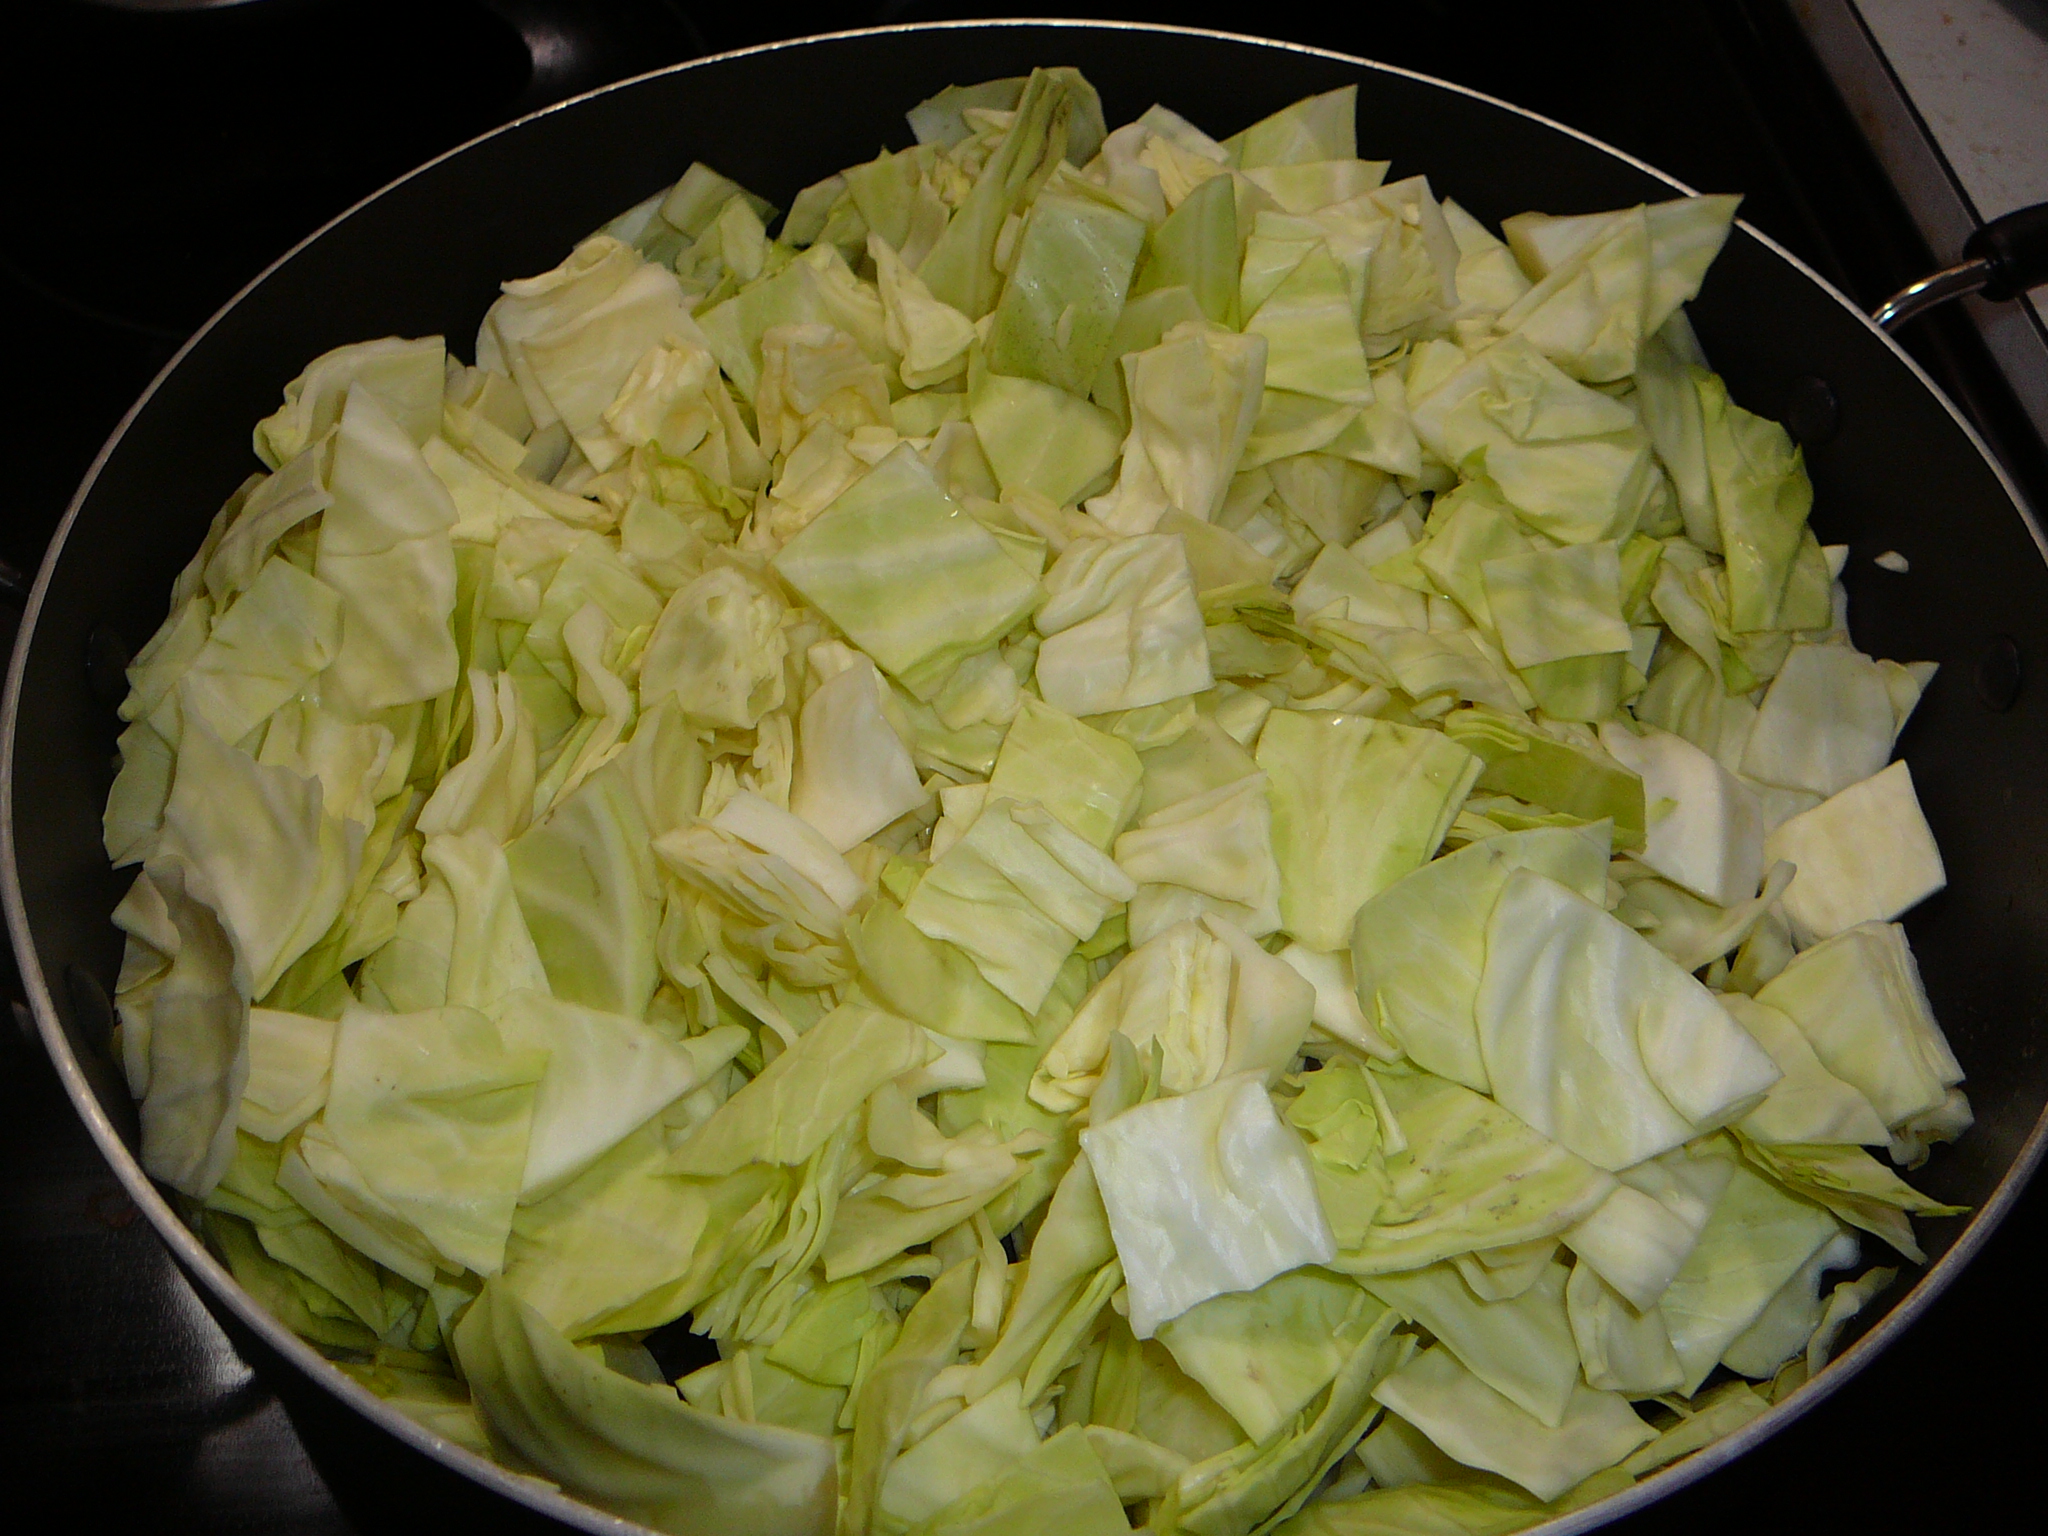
[(106, 666), (1812, 413), (1998, 673)]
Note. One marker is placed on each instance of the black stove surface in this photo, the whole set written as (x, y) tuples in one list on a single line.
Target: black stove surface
[(168, 149)]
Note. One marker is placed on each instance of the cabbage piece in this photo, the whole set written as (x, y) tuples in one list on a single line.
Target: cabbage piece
[(1575, 464), (405, 375), (1040, 439), (259, 849), (1855, 1186), (1418, 947), (1207, 1192), (281, 633), (905, 1209), (590, 571), (717, 649), (587, 886), (897, 201), (1456, 664), (1522, 1348), (1337, 577), (1357, 803), (1642, 1234), (1242, 1489), (674, 401), (491, 788), (1336, 1012), (929, 982), (1809, 1103), (474, 946), (606, 1074), (1060, 1485), (1088, 779), (1196, 247), (1554, 604), (1468, 527), (1826, 723), (1073, 264), (816, 288), (1315, 128), (768, 827), (1314, 186), (912, 580), (887, 1400), (1672, 415), (799, 1099), (1761, 500), (1864, 855), (939, 119), (1756, 1240), (1474, 1424), (772, 914), (1263, 1354), (1860, 1004), (824, 1339), (135, 802), (1706, 831), (591, 273), (1061, 1292), (1593, 308), (1690, 930), (1203, 995), (616, 1248), (1552, 772), (1342, 1113), (1017, 892), (1210, 853), (1624, 1350), (853, 774), (1193, 399), (1058, 116), (1137, 1468), (1783, 1327), (1205, 757), (1591, 1035), (416, 1159), (632, 1448), (1719, 1411), (290, 1056), (1312, 347), (1122, 626), (384, 549), (1472, 1176), (582, 363), (973, 1447), (813, 375), (1140, 1390), (184, 1027), (932, 338)]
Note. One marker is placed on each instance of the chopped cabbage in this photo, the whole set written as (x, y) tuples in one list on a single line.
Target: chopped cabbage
[(1207, 1192), (1177, 839)]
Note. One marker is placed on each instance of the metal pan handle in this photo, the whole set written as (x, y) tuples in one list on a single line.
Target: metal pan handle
[(2002, 260)]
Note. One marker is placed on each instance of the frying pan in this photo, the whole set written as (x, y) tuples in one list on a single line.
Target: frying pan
[(1894, 467)]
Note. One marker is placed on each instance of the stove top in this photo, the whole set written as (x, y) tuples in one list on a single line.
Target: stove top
[(171, 148)]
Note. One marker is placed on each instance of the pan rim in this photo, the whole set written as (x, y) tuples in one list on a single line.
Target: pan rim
[(196, 1260)]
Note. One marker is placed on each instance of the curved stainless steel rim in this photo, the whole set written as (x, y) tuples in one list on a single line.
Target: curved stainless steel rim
[(196, 1259)]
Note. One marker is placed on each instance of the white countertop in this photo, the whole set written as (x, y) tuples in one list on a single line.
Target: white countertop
[(1977, 73)]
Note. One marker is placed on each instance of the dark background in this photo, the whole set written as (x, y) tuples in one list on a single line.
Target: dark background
[(163, 153)]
